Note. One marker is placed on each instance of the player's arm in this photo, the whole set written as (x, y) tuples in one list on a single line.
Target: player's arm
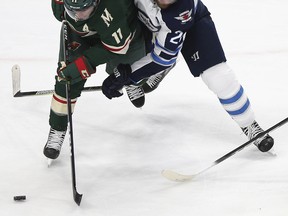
[(58, 9), (113, 41), (163, 55), (158, 60)]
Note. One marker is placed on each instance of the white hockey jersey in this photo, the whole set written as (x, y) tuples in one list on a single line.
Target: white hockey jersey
[(169, 27)]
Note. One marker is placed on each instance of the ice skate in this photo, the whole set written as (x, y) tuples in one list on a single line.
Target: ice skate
[(136, 95), (264, 143), (153, 82), (54, 143)]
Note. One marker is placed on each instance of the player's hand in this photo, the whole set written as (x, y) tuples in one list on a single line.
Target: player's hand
[(75, 71), (114, 83)]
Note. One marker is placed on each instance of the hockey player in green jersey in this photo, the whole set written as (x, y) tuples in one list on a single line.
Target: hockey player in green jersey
[(105, 31)]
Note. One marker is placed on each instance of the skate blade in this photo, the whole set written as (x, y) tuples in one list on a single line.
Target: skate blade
[(49, 162), (272, 152)]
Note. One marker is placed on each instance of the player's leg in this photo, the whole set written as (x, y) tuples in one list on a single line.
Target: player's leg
[(204, 55), (222, 81), (58, 117), (58, 120), (153, 81)]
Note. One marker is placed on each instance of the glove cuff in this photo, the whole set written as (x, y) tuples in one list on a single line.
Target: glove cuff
[(84, 68), (122, 74)]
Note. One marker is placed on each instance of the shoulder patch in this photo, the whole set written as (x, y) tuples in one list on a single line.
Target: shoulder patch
[(184, 16)]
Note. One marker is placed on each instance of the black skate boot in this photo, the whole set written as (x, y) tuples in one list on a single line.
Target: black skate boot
[(264, 143), (136, 95), (54, 143), (153, 82)]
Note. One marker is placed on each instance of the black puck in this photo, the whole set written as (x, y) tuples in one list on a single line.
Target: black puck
[(19, 198)]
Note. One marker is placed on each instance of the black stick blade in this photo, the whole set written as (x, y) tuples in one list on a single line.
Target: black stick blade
[(77, 197)]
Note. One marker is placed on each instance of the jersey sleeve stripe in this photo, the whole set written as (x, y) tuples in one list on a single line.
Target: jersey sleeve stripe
[(170, 52), (161, 61)]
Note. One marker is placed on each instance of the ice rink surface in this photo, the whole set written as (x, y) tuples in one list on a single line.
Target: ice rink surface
[(121, 150)]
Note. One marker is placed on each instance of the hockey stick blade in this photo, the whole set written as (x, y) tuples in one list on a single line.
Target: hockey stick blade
[(16, 77), (174, 176), (77, 196)]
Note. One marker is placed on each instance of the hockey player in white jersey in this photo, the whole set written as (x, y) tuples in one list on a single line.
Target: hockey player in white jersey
[(186, 26)]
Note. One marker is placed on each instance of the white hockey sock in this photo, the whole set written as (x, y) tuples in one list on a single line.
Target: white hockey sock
[(222, 81)]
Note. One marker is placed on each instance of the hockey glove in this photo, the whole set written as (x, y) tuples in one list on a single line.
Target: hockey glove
[(76, 71), (114, 83)]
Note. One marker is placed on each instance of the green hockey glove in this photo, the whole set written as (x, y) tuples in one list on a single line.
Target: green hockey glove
[(76, 71)]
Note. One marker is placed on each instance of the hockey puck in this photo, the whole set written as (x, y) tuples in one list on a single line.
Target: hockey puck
[(19, 198)]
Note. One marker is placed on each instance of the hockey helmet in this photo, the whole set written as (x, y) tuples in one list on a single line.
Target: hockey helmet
[(80, 10)]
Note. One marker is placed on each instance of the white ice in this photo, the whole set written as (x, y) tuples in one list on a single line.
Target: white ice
[(121, 150)]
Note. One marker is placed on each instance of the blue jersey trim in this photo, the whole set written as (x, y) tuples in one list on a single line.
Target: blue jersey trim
[(158, 60), (167, 50)]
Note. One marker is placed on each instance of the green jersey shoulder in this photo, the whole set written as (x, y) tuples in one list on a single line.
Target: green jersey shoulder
[(114, 22)]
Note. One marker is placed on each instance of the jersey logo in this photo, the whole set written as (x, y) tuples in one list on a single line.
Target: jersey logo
[(84, 74), (106, 17), (184, 16), (74, 46), (195, 56)]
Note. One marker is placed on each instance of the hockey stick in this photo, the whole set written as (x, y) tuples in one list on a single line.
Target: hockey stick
[(77, 197), (174, 176), (16, 76)]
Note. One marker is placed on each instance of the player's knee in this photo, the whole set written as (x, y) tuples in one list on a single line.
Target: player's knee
[(221, 80), (59, 105)]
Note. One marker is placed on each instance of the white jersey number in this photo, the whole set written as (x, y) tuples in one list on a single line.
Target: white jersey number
[(176, 39), (117, 36)]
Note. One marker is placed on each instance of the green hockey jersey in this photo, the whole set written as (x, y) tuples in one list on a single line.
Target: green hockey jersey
[(112, 27)]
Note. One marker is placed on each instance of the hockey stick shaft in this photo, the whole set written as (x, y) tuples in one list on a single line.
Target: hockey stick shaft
[(48, 92), (77, 197), (174, 176), (279, 124), (241, 147), (16, 78)]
